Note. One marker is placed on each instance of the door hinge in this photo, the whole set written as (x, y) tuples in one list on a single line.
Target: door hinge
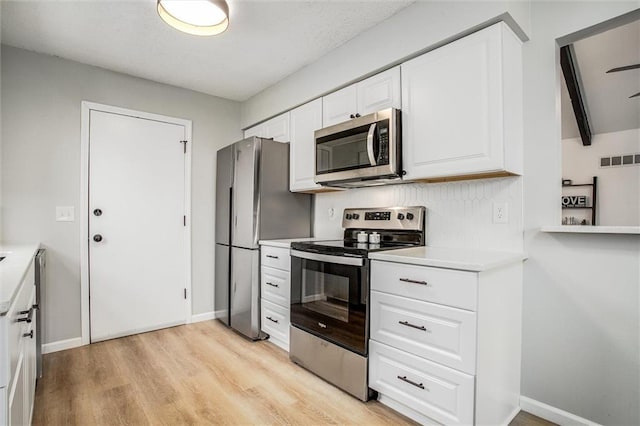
[(184, 220), (184, 146), (185, 294)]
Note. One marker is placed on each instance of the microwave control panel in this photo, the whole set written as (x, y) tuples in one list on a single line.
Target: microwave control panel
[(383, 137)]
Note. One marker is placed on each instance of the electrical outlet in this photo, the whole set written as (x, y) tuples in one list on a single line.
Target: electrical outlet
[(65, 214), (500, 213)]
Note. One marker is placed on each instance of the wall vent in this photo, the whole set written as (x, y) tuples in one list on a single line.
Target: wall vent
[(620, 160)]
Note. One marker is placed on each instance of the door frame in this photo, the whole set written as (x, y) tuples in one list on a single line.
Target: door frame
[(86, 108)]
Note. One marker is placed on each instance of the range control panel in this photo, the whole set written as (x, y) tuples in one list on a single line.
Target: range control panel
[(385, 218)]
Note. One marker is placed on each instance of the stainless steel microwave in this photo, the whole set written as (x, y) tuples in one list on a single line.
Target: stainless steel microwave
[(363, 151)]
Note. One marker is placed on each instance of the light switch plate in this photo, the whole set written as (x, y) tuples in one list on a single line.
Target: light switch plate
[(65, 214)]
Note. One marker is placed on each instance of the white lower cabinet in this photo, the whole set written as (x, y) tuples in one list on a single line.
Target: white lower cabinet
[(441, 333), (275, 290), (18, 356), (443, 394), (275, 322), (434, 361)]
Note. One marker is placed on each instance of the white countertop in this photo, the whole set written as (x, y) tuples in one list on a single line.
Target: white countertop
[(462, 259), (13, 269), (286, 243)]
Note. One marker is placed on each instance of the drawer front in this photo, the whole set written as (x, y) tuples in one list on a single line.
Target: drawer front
[(439, 333), (438, 392), (275, 284), (275, 321), (275, 257), (15, 329), (445, 286)]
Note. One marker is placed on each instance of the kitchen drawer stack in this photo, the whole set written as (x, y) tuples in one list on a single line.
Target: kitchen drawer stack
[(275, 287), (445, 344), (18, 355)]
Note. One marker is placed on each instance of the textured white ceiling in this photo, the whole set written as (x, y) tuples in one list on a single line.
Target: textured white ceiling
[(606, 95), (265, 42)]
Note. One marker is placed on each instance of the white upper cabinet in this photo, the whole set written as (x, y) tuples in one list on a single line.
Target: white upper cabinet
[(373, 94), (379, 92), (305, 120), (339, 106), (276, 128), (462, 108)]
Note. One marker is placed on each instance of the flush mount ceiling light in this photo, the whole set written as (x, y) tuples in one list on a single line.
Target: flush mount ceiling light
[(197, 17)]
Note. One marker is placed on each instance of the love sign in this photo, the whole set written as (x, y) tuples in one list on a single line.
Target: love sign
[(574, 200)]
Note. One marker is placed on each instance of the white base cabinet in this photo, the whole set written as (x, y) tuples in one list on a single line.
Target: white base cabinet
[(445, 344), (275, 288), (18, 356), (462, 108)]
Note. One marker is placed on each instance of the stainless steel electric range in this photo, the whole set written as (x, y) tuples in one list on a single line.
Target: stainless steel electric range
[(330, 293)]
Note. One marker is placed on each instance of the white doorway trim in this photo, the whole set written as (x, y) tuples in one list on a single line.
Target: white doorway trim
[(86, 108)]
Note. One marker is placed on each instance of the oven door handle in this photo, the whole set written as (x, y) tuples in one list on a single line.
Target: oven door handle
[(370, 153), (351, 261)]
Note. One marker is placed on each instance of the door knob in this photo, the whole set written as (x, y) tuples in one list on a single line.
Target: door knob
[(97, 212), (357, 115), (352, 116), (97, 238)]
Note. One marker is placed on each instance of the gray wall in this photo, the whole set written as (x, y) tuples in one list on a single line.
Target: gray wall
[(41, 165), (581, 327)]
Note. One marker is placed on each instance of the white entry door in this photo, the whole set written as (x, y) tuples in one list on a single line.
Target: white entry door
[(137, 238)]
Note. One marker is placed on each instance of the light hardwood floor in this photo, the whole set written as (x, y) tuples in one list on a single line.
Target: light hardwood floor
[(201, 373)]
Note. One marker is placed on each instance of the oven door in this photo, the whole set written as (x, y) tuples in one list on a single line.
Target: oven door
[(329, 296)]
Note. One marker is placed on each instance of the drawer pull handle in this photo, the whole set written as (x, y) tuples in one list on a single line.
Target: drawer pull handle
[(409, 280), (26, 319), (29, 334), (411, 382), (419, 327), (273, 320), (272, 256), (272, 284)]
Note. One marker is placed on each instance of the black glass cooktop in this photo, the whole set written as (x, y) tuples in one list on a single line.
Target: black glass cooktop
[(338, 247)]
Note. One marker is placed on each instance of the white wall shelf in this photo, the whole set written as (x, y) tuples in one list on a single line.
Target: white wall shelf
[(585, 229)]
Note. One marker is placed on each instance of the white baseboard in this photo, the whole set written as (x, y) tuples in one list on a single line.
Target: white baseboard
[(61, 345), (206, 316), (221, 313), (512, 416), (552, 414)]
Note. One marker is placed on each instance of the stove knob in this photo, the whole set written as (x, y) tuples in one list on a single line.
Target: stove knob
[(410, 216), (400, 216), (348, 216), (356, 216)]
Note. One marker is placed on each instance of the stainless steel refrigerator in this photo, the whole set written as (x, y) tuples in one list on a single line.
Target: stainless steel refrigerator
[(253, 203)]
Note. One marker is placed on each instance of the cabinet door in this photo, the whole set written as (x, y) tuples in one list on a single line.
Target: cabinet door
[(30, 372), (255, 131), (277, 128), (339, 106), (379, 92), (17, 403), (305, 120), (452, 104)]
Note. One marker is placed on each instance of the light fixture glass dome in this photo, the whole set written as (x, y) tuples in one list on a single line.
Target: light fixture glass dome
[(197, 17)]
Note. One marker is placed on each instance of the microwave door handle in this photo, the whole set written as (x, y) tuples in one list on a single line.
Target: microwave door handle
[(372, 156)]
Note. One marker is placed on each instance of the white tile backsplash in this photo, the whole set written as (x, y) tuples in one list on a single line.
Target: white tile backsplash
[(459, 214)]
